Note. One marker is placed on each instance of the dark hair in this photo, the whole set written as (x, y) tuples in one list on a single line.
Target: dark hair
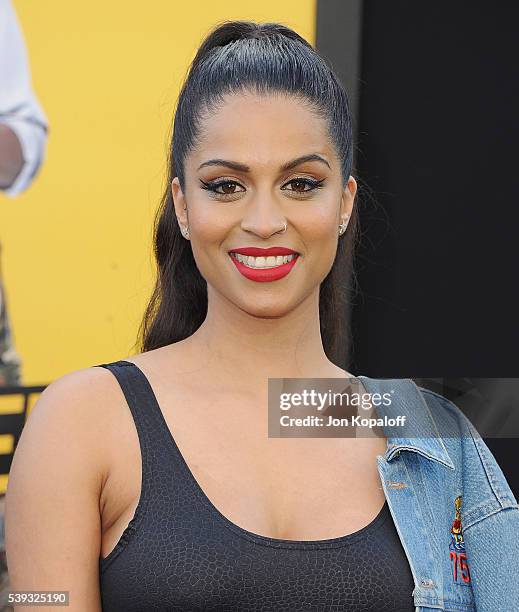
[(239, 56)]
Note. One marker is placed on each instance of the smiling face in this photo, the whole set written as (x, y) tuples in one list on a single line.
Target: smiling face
[(263, 162)]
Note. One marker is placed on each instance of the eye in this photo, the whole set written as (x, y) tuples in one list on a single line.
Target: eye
[(301, 183), (228, 187)]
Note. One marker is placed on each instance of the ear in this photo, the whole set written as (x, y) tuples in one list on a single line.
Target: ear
[(348, 199), (179, 202)]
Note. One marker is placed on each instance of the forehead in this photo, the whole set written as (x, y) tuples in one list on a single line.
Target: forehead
[(262, 129)]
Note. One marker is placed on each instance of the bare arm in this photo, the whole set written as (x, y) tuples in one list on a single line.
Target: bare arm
[(11, 158), (52, 515), (23, 123)]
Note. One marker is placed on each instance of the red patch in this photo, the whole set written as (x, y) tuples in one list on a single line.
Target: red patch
[(458, 556)]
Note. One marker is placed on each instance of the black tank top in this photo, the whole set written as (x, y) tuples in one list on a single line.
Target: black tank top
[(180, 553)]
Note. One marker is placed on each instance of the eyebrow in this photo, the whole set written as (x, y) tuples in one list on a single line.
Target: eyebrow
[(244, 168)]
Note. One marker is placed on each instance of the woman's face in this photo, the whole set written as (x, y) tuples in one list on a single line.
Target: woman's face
[(247, 178)]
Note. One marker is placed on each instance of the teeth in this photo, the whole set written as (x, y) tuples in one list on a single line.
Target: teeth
[(263, 262)]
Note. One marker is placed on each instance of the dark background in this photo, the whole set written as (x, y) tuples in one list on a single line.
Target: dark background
[(435, 103)]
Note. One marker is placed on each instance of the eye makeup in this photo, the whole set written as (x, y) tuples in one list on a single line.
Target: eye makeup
[(309, 185)]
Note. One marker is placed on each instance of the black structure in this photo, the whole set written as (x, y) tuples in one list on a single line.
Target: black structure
[(12, 423), (437, 123)]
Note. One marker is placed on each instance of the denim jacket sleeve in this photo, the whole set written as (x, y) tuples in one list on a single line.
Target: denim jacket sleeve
[(454, 511), (490, 521), (491, 533), (495, 575)]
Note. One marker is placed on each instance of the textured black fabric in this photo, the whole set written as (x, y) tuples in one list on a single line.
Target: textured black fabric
[(180, 553)]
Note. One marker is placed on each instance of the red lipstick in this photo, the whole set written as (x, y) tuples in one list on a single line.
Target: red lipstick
[(264, 275)]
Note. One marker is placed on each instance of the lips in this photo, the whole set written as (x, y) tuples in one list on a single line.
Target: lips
[(264, 274)]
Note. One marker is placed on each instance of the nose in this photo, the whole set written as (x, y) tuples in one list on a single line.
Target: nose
[(263, 218)]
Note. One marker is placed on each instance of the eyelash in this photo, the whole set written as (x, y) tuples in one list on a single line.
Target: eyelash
[(212, 186)]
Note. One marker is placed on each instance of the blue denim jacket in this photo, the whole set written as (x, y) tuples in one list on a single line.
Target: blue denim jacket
[(452, 507)]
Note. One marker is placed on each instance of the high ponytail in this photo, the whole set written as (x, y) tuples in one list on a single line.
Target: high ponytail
[(235, 57), (232, 31)]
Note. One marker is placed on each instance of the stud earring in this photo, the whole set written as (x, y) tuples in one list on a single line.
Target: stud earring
[(184, 231), (343, 225)]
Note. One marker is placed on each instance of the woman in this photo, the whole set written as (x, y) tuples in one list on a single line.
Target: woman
[(150, 483)]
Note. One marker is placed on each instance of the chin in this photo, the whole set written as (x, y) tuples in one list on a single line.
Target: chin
[(264, 300), (268, 310), (274, 305)]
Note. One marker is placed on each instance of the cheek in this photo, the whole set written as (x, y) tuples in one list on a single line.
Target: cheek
[(210, 224), (318, 227), (319, 231)]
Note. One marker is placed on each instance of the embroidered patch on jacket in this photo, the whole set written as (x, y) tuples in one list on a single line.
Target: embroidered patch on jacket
[(458, 556)]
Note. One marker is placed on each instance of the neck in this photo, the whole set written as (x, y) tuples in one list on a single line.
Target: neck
[(242, 347)]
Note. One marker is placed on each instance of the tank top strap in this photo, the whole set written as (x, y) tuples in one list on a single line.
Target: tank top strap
[(154, 436)]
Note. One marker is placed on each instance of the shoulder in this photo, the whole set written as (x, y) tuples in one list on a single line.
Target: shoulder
[(446, 415), (486, 488), (77, 397), (76, 414)]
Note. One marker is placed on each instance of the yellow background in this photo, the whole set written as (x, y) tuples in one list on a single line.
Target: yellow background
[(76, 246), (77, 255)]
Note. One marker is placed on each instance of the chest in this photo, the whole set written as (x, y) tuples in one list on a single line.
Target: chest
[(297, 488)]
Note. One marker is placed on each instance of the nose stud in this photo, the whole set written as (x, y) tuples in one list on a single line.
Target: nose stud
[(283, 230)]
